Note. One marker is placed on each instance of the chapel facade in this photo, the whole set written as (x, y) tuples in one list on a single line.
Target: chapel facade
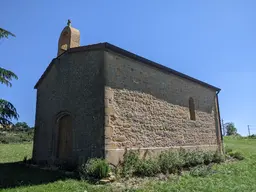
[(98, 100)]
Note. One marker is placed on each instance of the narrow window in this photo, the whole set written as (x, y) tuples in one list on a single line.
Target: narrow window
[(192, 109)]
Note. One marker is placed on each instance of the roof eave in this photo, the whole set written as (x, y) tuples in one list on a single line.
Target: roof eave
[(44, 74)]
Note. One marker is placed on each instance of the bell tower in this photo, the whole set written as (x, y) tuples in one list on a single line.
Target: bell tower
[(69, 38)]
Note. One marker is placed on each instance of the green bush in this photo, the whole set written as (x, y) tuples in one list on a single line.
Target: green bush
[(218, 157), (131, 159), (193, 158), (9, 139), (170, 162), (14, 136), (146, 168), (200, 171), (253, 136), (227, 150), (208, 157), (94, 168), (236, 155)]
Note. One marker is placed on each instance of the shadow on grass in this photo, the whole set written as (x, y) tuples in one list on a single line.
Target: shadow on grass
[(17, 174)]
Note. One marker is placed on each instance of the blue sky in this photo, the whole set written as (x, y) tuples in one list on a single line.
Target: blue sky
[(214, 41)]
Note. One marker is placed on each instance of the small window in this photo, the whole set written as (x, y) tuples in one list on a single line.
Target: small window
[(192, 109)]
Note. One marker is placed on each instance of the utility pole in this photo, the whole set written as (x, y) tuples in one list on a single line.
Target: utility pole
[(249, 130)]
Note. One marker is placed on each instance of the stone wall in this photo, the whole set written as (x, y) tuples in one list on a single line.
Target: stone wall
[(148, 109), (74, 84)]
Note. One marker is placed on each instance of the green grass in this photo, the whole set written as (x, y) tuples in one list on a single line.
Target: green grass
[(233, 176), (15, 152)]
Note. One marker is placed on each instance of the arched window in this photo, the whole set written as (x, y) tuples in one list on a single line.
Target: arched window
[(192, 109)]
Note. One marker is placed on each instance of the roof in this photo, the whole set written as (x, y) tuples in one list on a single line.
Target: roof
[(108, 46)]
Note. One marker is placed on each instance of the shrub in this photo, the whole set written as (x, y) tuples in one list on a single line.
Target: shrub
[(236, 155), (131, 159), (208, 157), (200, 171), (170, 162), (228, 150), (94, 168), (147, 167), (193, 158), (253, 136), (13, 136), (218, 157), (9, 139)]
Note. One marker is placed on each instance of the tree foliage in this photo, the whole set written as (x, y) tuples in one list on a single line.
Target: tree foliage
[(230, 129), (5, 34), (6, 76), (23, 125), (7, 110)]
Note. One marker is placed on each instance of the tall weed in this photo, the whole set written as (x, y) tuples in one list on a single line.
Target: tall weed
[(131, 159), (170, 162)]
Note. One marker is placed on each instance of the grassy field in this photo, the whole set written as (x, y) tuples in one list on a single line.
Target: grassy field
[(233, 176)]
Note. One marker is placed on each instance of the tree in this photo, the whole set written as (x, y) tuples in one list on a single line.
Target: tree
[(23, 125), (230, 129), (7, 110)]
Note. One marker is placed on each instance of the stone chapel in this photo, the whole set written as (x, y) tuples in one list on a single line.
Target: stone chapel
[(98, 100)]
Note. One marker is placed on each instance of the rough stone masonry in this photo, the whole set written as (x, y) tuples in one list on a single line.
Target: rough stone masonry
[(148, 108), (119, 100)]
